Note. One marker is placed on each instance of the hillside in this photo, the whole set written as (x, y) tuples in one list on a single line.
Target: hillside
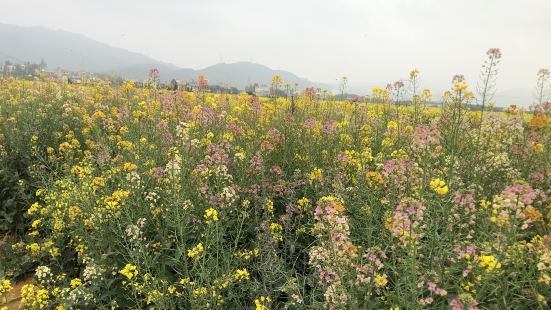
[(66, 50), (70, 51)]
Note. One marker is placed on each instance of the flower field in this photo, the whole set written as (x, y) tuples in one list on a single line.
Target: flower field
[(126, 197)]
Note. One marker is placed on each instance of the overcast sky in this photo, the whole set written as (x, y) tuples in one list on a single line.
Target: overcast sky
[(371, 42)]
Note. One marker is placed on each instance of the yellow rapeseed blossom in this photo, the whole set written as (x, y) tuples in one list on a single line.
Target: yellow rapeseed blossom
[(270, 206), (241, 274), (129, 271), (34, 248), (202, 291), (304, 204), (196, 251), (5, 286), (76, 282), (33, 208), (262, 303), (460, 86), (211, 215), (538, 147), (129, 166), (315, 176), (276, 230), (154, 296), (439, 186), (488, 262), (381, 281), (374, 178), (485, 203), (33, 297)]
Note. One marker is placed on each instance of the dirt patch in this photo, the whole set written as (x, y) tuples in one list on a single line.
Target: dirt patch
[(14, 297)]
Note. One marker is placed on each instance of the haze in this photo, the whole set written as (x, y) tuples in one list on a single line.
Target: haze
[(371, 42)]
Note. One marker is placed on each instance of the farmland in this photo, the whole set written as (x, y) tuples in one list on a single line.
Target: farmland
[(118, 196)]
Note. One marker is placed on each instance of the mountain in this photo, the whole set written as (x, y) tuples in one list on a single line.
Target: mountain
[(75, 52), (241, 74), (67, 50)]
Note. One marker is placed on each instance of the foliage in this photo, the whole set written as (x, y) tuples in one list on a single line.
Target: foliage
[(171, 199)]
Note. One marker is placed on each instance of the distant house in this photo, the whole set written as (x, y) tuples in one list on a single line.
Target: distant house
[(262, 90), (8, 69)]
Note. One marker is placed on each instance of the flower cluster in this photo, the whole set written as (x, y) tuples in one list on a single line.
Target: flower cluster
[(191, 199)]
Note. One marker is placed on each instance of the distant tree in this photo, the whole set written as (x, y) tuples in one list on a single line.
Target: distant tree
[(173, 85), (6, 71), (249, 89), (42, 65)]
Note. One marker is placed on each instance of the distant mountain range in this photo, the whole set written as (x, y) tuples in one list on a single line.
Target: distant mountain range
[(74, 52)]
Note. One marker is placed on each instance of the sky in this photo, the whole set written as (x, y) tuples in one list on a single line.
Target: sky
[(372, 42)]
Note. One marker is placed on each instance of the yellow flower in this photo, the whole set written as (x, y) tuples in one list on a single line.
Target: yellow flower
[(460, 86), (129, 271), (129, 166), (538, 121), (5, 286), (270, 206), (138, 114), (33, 298), (381, 280), (202, 291), (33, 208), (334, 202), (239, 155), (36, 223), (374, 178), (74, 213), (54, 251), (261, 303), (211, 215), (439, 186), (533, 214), (304, 204), (196, 251), (98, 115), (76, 282), (315, 175), (485, 203), (544, 278), (241, 274), (488, 262), (276, 230), (538, 147), (123, 130), (171, 289), (34, 248), (153, 296), (185, 282)]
